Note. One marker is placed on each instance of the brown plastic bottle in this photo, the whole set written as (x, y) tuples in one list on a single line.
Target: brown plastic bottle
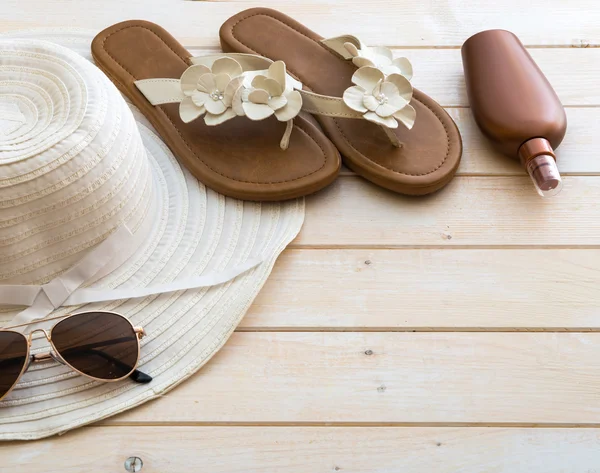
[(514, 105)]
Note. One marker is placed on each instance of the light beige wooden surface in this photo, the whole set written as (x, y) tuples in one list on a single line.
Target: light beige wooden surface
[(318, 449), (422, 24), (400, 378), (430, 289), (453, 333)]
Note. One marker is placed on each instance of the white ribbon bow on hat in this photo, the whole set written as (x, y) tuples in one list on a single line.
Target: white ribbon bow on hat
[(65, 289)]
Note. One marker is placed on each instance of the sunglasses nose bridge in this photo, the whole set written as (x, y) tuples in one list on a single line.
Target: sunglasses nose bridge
[(46, 334), (41, 357)]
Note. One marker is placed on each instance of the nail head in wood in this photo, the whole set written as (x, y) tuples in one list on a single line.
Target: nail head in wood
[(134, 464)]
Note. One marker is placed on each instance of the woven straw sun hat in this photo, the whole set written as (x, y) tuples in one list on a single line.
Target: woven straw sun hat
[(84, 180)]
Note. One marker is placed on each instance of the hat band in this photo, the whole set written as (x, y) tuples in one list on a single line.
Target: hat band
[(65, 290)]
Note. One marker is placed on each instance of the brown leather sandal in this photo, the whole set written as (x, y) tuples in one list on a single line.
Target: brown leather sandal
[(359, 103), (247, 103)]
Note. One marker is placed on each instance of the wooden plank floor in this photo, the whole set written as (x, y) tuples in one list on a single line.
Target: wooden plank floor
[(458, 332)]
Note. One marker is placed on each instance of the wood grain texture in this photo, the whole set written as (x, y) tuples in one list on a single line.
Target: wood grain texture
[(470, 211), (475, 378), (306, 449), (434, 23), (430, 290)]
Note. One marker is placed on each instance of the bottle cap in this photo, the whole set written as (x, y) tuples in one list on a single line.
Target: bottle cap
[(545, 176), (538, 158)]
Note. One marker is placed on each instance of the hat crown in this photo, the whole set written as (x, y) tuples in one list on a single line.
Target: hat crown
[(72, 164)]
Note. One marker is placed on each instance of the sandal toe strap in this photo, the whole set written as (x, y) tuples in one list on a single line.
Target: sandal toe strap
[(225, 86), (381, 90)]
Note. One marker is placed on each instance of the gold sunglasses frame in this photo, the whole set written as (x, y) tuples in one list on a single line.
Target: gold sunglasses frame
[(55, 355)]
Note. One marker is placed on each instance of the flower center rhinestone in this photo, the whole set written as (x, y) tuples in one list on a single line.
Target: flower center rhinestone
[(216, 95), (382, 99)]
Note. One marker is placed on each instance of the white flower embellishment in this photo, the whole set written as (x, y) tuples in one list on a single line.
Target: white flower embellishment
[(224, 91), (380, 58), (381, 99), (270, 94), (210, 91)]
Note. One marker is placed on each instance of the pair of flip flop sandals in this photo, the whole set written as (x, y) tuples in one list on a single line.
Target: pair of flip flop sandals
[(264, 121)]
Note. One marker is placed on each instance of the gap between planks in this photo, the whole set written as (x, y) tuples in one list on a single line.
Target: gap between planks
[(455, 47), (375, 246), (515, 425), (418, 329)]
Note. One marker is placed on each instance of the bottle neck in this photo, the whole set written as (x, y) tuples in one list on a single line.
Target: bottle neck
[(533, 148)]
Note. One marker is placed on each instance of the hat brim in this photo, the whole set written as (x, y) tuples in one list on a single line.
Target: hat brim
[(199, 230)]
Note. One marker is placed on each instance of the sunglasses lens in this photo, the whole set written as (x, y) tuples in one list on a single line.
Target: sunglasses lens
[(13, 357), (99, 344)]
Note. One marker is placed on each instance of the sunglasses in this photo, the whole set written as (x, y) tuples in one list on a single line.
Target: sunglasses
[(103, 346)]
